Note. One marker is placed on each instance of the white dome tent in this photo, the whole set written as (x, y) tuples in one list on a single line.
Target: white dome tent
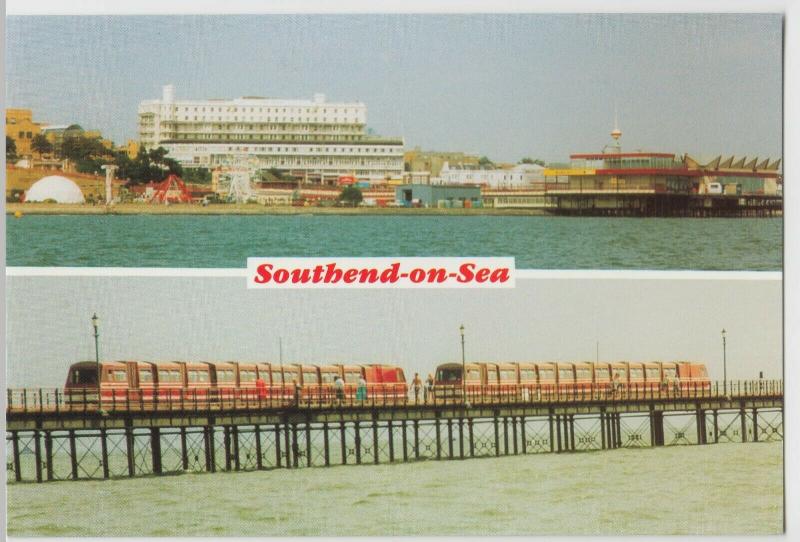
[(55, 187)]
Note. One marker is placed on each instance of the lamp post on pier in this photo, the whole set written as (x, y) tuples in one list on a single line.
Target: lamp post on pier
[(463, 369), (96, 326), (724, 364)]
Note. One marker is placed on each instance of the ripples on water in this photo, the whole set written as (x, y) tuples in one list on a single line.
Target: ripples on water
[(536, 242), (715, 489)]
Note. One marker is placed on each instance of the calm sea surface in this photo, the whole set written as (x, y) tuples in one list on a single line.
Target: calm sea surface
[(716, 489), (536, 242)]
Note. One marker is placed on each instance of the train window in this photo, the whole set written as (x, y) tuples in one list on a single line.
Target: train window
[(247, 376), (527, 374), (120, 376), (565, 374), (84, 376), (652, 373), (225, 375), (453, 375), (163, 376), (202, 376), (277, 377), (491, 376), (145, 375), (506, 375), (620, 372), (669, 371), (636, 373), (352, 378), (175, 375), (192, 376), (474, 374), (328, 378), (583, 373), (310, 378), (601, 372), (546, 374)]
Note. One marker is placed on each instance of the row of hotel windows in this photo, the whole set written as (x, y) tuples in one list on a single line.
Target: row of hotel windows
[(259, 137), (296, 111), (276, 119), (297, 162), (291, 128), (354, 150)]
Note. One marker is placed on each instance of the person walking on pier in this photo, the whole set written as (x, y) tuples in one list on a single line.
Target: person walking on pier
[(429, 388), (616, 385), (297, 389), (361, 392), (338, 386), (416, 385)]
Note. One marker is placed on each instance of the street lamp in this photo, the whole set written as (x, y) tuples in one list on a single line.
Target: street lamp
[(724, 364), (96, 325), (463, 368)]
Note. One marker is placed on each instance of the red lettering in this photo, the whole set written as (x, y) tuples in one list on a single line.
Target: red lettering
[(332, 274), (300, 275), (392, 274), (368, 275), (281, 276), (350, 275), (416, 275), (263, 274), (465, 273), (437, 275), (500, 275)]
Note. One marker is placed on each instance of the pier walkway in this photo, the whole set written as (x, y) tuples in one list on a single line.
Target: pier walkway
[(53, 437)]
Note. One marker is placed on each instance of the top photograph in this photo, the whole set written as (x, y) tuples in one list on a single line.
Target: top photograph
[(568, 142)]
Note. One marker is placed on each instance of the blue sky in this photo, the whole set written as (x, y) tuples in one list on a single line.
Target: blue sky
[(505, 86)]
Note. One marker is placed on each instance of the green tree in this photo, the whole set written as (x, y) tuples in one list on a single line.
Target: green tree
[(79, 148), (351, 195), (484, 162), (528, 160), (148, 166), (41, 144), (198, 175), (11, 149)]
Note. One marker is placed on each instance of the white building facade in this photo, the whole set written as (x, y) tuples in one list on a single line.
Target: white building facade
[(312, 139), (520, 176)]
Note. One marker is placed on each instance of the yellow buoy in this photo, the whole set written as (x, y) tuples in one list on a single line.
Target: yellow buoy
[(17, 214)]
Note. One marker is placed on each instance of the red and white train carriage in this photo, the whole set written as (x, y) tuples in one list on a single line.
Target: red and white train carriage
[(142, 381)]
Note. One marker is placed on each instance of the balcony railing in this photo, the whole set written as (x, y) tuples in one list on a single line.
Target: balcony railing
[(85, 400)]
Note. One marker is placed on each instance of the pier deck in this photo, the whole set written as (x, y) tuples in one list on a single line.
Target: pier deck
[(53, 439)]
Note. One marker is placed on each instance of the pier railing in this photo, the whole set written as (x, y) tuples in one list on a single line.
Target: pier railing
[(86, 400)]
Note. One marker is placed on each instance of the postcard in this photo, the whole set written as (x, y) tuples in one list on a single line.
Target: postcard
[(371, 272)]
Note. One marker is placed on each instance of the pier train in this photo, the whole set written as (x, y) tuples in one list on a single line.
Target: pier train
[(147, 381), (502, 378), (142, 380)]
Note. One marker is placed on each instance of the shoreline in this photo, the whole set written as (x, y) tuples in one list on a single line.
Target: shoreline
[(254, 209), (251, 209)]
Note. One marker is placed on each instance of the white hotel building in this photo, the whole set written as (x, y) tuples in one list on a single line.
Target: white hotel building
[(311, 139)]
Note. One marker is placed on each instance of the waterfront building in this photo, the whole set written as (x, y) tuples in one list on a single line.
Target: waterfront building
[(421, 164), (443, 196), (515, 177), (311, 140), (665, 184), (22, 129)]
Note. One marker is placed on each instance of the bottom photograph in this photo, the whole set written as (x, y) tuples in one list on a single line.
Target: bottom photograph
[(192, 406)]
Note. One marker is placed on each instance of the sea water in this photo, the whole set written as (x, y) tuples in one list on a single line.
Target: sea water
[(712, 489), (535, 241)]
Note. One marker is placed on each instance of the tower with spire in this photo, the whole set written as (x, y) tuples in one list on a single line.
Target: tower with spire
[(616, 133)]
